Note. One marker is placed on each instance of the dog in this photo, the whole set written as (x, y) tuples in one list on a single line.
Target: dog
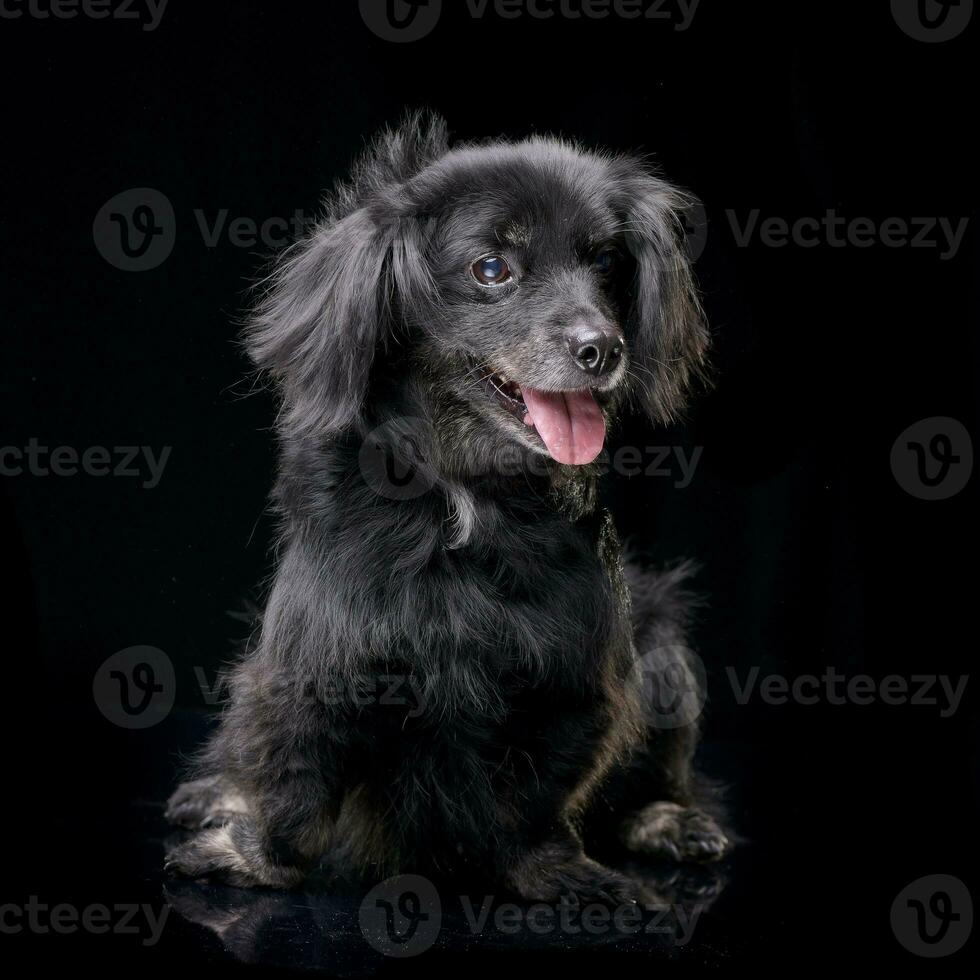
[(449, 346)]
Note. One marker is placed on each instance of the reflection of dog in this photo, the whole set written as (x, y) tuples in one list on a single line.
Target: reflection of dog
[(326, 928), (494, 305)]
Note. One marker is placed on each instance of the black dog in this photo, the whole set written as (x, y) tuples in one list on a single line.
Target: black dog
[(446, 676)]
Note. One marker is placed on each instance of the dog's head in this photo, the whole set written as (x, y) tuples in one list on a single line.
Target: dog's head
[(520, 290)]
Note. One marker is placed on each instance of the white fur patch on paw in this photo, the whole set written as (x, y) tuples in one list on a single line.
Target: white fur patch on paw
[(676, 832), (205, 803), (217, 842)]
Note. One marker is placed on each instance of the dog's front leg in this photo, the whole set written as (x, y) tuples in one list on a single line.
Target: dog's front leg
[(285, 776), (541, 853), (251, 850)]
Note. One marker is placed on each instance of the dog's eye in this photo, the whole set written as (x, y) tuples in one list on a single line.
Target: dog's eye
[(605, 260), (491, 271)]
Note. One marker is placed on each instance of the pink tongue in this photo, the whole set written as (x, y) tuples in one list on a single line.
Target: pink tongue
[(569, 422)]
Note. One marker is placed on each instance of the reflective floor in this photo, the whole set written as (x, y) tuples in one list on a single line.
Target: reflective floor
[(344, 932), (828, 848)]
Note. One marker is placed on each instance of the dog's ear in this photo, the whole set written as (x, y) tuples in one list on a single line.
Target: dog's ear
[(317, 326), (669, 337), (337, 297)]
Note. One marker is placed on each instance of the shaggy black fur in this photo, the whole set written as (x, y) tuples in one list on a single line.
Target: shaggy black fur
[(445, 678)]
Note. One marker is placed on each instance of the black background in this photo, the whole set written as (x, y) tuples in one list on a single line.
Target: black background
[(811, 552)]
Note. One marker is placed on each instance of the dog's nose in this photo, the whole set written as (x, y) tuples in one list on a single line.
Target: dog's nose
[(595, 349)]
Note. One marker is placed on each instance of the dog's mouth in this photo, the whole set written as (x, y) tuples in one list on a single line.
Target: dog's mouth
[(570, 423)]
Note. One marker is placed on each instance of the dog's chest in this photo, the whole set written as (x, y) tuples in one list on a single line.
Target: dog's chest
[(559, 602)]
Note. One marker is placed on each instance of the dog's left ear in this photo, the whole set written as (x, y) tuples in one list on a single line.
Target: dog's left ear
[(668, 333)]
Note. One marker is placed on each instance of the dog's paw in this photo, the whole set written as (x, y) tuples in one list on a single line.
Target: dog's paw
[(225, 854), (200, 803), (678, 833), (689, 884), (572, 879)]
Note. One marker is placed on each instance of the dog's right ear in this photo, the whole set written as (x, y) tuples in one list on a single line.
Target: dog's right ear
[(333, 299), (316, 327)]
